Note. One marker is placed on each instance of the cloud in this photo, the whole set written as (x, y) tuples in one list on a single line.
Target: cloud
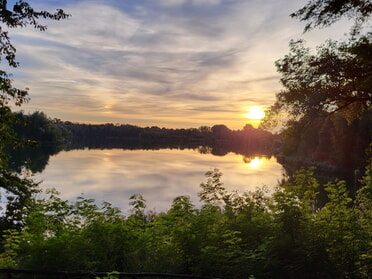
[(177, 3), (156, 60)]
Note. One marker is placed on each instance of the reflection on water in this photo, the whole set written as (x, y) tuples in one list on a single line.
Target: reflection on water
[(254, 162), (159, 175)]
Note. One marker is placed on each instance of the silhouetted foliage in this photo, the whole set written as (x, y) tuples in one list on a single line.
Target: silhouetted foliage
[(21, 14), (321, 13), (231, 235), (329, 141), (38, 128), (324, 108), (17, 189), (44, 137), (336, 79)]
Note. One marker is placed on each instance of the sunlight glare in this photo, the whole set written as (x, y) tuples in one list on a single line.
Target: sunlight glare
[(255, 112), (107, 156), (255, 163)]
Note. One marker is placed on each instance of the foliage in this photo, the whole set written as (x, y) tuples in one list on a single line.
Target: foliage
[(10, 247), (20, 15), (364, 206), (331, 144), (230, 235), (219, 137), (18, 189), (39, 128), (324, 109), (7, 133), (320, 13), (213, 192), (335, 79), (110, 275), (42, 137)]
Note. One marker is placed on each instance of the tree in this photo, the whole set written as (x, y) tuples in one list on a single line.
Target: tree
[(220, 131), (338, 78), (321, 13), (21, 14)]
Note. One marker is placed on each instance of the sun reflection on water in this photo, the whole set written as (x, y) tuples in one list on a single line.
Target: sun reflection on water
[(254, 162), (114, 175)]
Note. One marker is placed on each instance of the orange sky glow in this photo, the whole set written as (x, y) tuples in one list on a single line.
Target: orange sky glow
[(166, 63)]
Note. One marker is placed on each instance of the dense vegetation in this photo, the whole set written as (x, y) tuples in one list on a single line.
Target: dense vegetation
[(230, 236), (324, 106), (288, 234), (329, 143), (17, 189)]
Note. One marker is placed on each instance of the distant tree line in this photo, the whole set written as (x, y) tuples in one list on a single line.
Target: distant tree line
[(248, 137), (331, 144), (43, 136), (39, 128)]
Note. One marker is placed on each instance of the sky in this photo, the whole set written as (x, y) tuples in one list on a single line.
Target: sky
[(166, 63)]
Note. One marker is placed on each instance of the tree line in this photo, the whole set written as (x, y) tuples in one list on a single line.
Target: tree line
[(38, 127), (328, 143), (43, 136)]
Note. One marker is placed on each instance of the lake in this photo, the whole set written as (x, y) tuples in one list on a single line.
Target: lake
[(113, 175)]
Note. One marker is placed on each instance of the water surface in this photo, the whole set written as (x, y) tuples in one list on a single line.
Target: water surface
[(114, 175)]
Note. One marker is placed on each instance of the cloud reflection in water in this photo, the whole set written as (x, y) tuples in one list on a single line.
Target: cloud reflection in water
[(158, 175)]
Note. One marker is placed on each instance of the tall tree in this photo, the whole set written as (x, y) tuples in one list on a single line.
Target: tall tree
[(338, 78), (20, 14)]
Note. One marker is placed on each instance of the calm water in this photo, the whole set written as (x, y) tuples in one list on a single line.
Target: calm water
[(114, 175)]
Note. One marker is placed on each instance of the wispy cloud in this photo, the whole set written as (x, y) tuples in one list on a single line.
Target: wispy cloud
[(174, 61)]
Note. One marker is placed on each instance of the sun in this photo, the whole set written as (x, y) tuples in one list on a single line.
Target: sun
[(255, 113)]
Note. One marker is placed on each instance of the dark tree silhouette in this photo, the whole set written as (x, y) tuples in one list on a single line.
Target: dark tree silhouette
[(20, 14), (338, 78), (321, 13)]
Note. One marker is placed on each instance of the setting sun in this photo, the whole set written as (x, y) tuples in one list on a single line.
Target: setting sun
[(255, 113)]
